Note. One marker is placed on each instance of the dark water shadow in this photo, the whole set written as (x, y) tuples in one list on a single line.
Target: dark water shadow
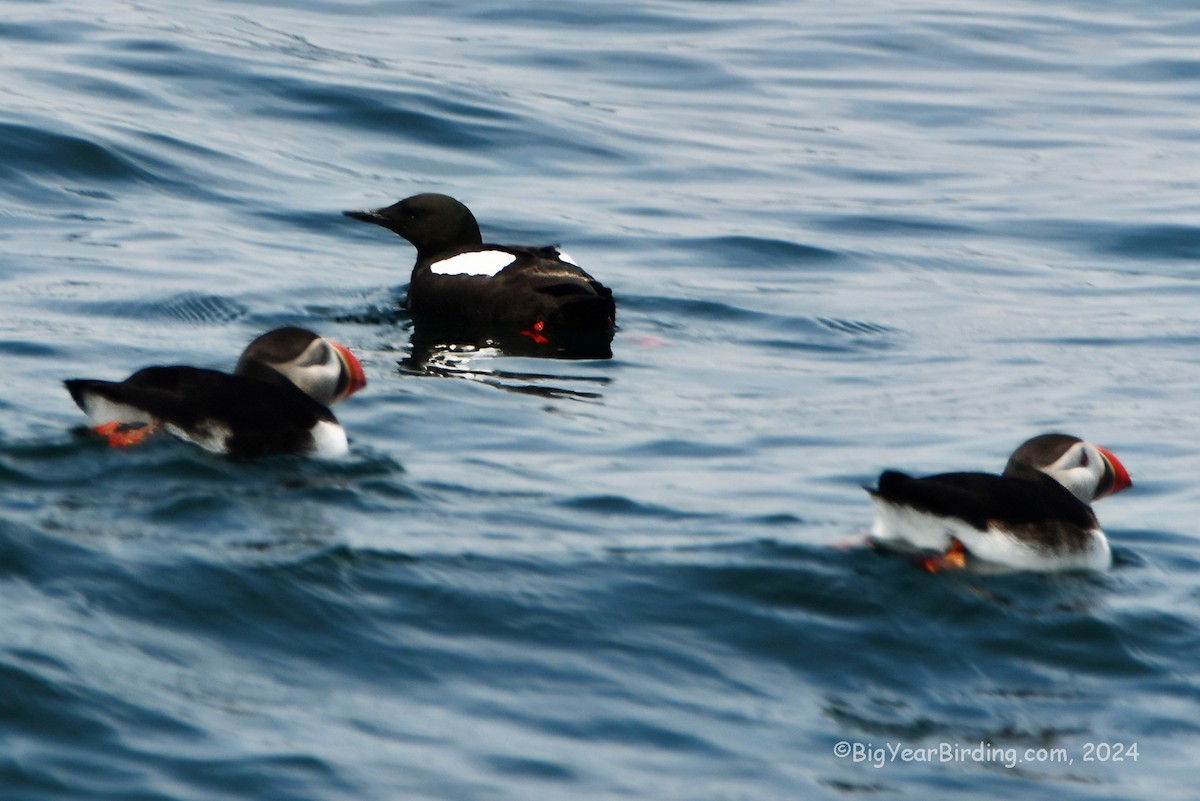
[(474, 359), (458, 352)]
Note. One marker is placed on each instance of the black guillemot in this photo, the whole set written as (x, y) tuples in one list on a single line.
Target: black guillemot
[(504, 291)]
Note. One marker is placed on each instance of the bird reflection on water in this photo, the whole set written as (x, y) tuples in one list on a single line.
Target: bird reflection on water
[(473, 358)]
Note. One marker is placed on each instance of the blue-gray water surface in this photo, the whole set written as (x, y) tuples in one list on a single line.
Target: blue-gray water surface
[(842, 237)]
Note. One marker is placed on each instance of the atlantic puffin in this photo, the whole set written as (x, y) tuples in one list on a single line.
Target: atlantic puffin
[(459, 283), (275, 401), (1036, 516)]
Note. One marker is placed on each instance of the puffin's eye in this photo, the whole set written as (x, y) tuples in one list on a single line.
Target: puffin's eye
[(1083, 458), (320, 354)]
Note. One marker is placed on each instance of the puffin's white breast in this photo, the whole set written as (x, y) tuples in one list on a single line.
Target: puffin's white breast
[(329, 440)]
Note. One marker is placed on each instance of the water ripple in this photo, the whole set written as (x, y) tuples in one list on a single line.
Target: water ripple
[(34, 150), (189, 308)]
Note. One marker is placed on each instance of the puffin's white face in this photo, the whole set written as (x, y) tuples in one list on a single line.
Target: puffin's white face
[(1088, 471), (326, 371)]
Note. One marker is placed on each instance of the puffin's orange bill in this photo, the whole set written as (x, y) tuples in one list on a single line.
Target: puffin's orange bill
[(358, 379), (1121, 479)]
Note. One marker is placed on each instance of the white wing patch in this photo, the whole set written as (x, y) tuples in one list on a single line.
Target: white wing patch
[(564, 256), (477, 262)]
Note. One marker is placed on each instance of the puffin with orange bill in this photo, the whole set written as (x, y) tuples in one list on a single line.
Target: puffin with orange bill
[(1037, 515), (276, 401)]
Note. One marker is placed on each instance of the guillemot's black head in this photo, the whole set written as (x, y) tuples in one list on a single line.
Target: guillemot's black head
[(434, 224)]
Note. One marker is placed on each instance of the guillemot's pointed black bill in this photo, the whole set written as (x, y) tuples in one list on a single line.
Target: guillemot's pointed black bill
[(366, 215)]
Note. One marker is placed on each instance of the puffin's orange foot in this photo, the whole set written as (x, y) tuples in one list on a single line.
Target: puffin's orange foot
[(536, 333), (122, 435), (953, 559)]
